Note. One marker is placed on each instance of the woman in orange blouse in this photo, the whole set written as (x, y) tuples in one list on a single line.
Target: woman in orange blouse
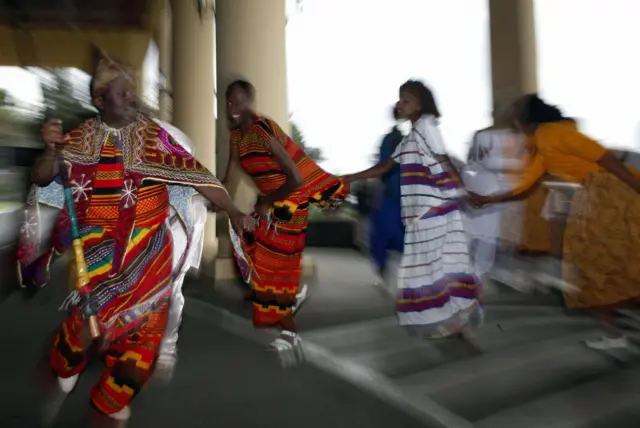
[(603, 229)]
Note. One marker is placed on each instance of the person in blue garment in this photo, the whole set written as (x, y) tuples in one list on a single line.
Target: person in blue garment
[(387, 230)]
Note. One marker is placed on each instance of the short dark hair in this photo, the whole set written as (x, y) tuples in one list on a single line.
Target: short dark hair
[(243, 85), (427, 100), (533, 111)]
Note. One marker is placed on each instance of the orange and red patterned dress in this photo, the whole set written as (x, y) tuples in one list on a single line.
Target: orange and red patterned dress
[(275, 248)]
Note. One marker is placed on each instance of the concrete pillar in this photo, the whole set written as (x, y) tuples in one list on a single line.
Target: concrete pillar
[(194, 93), (513, 74), (250, 45), (163, 39), (513, 49)]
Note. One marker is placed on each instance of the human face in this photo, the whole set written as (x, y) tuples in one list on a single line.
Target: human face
[(239, 107), (408, 106), (118, 103)]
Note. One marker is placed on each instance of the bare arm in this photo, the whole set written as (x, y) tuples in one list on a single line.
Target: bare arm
[(294, 179), (610, 163), (375, 171), (219, 197), (45, 167), (233, 164)]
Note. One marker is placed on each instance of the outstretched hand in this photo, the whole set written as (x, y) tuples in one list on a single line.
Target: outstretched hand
[(242, 222), (52, 133), (477, 201), (349, 178)]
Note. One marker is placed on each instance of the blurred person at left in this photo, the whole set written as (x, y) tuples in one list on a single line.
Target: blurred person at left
[(387, 229), (125, 171)]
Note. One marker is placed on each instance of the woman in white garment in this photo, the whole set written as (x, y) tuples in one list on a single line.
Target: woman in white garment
[(494, 162), (437, 289)]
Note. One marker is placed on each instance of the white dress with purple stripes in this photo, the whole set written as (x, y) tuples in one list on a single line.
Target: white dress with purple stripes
[(436, 285)]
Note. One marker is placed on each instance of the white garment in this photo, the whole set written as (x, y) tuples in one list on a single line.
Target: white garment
[(435, 282), (490, 170)]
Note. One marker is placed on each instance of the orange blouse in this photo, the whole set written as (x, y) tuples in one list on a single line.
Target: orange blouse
[(562, 151)]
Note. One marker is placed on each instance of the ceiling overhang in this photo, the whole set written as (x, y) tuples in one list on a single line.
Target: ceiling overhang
[(65, 33)]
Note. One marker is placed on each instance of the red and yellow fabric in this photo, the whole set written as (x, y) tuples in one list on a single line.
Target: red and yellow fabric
[(131, 305), (122, 202), (275, 249)]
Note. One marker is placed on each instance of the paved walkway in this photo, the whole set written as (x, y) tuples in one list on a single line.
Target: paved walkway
[(525, 367), (222, 380)]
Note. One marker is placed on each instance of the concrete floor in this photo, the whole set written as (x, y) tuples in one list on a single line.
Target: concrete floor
[(221, 380)]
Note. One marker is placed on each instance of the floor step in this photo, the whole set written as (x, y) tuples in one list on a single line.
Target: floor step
[(478, 387), (414, 356), (595, 404)]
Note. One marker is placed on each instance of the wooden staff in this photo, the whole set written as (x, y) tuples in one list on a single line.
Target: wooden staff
[(79, 263)]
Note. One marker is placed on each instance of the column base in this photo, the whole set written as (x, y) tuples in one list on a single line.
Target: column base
[(225, 268)]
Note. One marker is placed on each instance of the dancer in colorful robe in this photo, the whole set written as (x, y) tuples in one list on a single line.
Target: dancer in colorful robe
[(125, 171), (288, 181), (438, 291)]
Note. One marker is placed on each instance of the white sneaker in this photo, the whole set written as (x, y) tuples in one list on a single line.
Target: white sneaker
[(67, 384), (122, 415), (300, 298), (605, 343)]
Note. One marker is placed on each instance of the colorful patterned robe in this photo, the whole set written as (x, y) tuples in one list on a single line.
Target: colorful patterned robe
[(273, 253), (123, 189)]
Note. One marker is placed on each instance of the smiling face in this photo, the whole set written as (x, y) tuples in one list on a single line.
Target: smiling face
[(409, 106), (118, 103), (239, 106)]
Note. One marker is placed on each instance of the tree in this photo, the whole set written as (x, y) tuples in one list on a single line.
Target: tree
[(62, 98), (313, 152), (6, 100)]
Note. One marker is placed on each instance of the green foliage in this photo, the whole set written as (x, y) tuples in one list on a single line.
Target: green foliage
[(6, 100), (313, 152), (62, 99)]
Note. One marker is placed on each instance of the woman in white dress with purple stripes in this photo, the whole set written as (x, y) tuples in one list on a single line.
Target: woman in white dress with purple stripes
[(437, 288)]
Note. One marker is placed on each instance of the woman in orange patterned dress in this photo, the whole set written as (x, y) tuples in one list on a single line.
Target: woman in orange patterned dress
[(601, 239), (288, 181)]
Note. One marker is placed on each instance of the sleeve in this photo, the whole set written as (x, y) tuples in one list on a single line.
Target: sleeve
[(434, 138), (472, 156), (270, 129), (179, 136), (573, 142), (407, 151), (531, 175)]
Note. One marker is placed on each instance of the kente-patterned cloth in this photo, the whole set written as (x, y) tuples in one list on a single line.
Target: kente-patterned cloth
[(436, 285), (275, 248), (601, 243), (149, 154), (119, 182)]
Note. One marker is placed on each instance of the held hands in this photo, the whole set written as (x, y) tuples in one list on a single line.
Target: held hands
[(478, 201), (52, 133), (349, 178), (242, 222)]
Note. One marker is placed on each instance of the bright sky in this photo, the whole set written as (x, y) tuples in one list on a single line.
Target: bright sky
[(347, 58)]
